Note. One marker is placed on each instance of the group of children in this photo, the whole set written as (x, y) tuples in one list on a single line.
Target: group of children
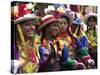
[(55, 42)]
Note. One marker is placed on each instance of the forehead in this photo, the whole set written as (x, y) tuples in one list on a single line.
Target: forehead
[(92, 18), (29, 21), (53, 23), (64, 20)]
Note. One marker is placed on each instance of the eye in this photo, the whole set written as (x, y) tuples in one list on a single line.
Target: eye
[(56, 24), (65, 23), (33, 23), (27, 24), (60, 23)]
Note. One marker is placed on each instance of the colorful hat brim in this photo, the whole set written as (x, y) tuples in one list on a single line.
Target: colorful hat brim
[(21, 19), (46, 23), (77, 23)]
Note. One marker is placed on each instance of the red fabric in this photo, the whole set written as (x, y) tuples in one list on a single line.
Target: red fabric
[(23, 10), (48, 19), (74, 8), (20, 12), (56, 14), (32, 55), (86, 58)]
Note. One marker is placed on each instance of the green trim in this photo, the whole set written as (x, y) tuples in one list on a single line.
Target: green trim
[(82, 52), (70, 62)]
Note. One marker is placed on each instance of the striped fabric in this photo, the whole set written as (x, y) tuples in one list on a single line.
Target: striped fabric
[(68, 42), (27, 65), (91, 38)]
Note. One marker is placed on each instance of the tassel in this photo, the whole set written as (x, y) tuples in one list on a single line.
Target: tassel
[(32, 54), (25, 44), (76, 30), (21, 34)]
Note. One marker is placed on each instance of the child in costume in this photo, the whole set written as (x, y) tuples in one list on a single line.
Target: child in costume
[(91, 22), (27, 48), (64, 35), (48, 49), (81, 41)]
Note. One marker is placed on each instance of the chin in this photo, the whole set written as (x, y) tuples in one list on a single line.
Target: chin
[(54, 34), (62, 30)]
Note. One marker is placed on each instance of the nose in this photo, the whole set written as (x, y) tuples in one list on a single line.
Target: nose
[(32, 27), (62, 25)]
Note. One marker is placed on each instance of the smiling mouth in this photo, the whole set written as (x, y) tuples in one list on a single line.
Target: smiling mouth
[(62, 28), (55, 32), (30, 32)]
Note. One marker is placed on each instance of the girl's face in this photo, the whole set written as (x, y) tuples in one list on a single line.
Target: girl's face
[(28, 28), (91, 23), (53, 28), (63, 25)]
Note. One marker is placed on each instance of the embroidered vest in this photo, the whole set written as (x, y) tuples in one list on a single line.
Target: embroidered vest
[(68, 42), (92, 38), (29, 58)]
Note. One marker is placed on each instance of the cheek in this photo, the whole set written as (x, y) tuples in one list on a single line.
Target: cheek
[(63, 27), (94, 23), (90, 23), (33, 27), (25, 29), (66, 25), (50, 28)]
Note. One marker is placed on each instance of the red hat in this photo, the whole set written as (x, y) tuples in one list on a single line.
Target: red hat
[(47, 20), (23, 14)]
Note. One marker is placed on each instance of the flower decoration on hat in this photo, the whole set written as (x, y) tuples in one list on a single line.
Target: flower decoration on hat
[(49, 9), (22, 12), (61, 9)]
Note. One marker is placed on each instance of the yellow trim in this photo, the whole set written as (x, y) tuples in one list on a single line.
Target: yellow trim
[(21, 34)]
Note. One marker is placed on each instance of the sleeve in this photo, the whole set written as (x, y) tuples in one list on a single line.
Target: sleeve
[(65, 59), (84, 41), (82, 47), (65, 54), (79, 43), (41, 51)]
